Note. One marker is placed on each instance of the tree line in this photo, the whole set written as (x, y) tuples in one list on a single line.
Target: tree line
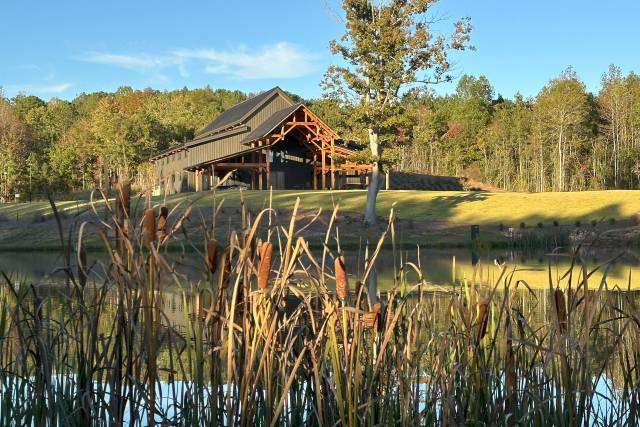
[(563, 139)]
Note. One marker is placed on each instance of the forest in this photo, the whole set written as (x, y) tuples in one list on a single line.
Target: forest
[(563, 139)]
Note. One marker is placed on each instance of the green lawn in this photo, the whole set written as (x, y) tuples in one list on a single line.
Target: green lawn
[(453, 206), (448, 206)]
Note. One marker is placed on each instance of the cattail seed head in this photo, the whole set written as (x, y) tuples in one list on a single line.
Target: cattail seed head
[(561, 309), (342, 281), (483, 320), (212, 256), (266, 255), (149, 226), (162, 223), (372, 318), (123, 199)]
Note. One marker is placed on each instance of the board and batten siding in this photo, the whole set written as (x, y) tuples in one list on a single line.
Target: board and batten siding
[(170, 171), (230, 145), (170, 174)]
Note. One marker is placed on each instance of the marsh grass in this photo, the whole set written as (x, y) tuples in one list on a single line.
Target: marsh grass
[(265, 340)]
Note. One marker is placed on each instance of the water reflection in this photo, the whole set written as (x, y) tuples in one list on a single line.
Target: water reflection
[(438, 267)]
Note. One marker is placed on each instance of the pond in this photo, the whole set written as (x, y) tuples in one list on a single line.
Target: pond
[(435, 355), (438, 267)]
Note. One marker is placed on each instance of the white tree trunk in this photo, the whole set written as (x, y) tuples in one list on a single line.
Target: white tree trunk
[(370, 211), (374, 180)]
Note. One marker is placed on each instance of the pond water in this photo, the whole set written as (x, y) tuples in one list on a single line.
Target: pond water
[(184, 314), (438, 267)]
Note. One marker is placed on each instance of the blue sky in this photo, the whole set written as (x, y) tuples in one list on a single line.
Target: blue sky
[(62, 48)]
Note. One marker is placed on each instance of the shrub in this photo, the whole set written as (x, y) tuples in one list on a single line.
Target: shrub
[(540, 225), (523, 225), (578, 223), (556, 223), (612, 221), (594, 223)]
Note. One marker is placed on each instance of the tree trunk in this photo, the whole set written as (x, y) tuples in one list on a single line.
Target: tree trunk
[(370, 212), (374, 181)]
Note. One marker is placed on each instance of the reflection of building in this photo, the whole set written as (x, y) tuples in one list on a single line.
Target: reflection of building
[(269, 141)]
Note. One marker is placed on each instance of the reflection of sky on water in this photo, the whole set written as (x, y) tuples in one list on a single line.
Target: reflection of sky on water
[(170, 395)]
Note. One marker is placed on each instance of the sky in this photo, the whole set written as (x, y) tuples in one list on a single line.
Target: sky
[(62, 48)]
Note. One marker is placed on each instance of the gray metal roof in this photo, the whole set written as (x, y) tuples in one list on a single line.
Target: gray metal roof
[(236, 114), (272, 122)]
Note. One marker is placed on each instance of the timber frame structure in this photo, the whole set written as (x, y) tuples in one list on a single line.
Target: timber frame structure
[(267, 142)]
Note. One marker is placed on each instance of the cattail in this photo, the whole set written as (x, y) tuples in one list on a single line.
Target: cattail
[(225, 273), (149, 226), (561, 309), (266, 254), (123, 199), (372, 318), (342, 281), (483, 320), (212, 256), (162, 223)]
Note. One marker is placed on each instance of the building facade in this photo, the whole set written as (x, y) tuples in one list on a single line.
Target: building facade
[(265, 142)]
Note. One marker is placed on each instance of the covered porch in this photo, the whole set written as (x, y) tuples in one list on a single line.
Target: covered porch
[(293, 150)]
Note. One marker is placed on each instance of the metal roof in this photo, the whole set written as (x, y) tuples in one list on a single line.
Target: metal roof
[(271, 123), (239, 112)]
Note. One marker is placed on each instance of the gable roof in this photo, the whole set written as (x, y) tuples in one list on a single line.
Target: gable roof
[(272, 122), (240, 112)]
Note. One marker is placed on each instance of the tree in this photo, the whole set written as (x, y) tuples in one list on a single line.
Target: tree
[(14, 147), (388, 46), (561, 114)]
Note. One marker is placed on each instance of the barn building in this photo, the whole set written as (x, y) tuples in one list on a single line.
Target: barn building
[(267, 141)]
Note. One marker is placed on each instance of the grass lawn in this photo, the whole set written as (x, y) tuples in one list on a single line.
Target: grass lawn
[(454, 206), (429, 216)]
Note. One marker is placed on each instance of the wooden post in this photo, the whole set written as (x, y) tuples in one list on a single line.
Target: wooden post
[(260, 166), (315, 171), (253, 172), (324, 167), (333, 177), (198, 181), (268, 160)]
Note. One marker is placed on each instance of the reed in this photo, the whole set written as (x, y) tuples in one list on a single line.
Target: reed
[(261, 339)]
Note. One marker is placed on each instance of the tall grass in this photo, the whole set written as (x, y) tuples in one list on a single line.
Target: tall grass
[(266, 341)]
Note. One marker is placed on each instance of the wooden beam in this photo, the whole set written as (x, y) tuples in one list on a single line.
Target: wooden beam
[(227, 165), (333, 170), (324, 168), (198, 181), (260, 166), (315, 171), (268, 160), (253, 172)]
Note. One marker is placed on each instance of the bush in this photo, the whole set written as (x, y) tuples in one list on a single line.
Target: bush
[(523, 225), (501, 227), (612, 221), (556, 223), (594, 223), (578, 223), (540, 225)]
